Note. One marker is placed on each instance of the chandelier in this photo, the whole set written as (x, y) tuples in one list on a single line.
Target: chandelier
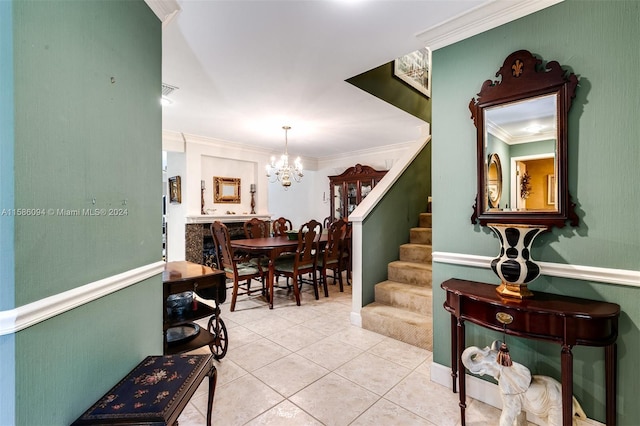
[(283, 171)]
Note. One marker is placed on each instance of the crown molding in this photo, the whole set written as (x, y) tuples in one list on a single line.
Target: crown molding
[(483, 18), (165, 10)]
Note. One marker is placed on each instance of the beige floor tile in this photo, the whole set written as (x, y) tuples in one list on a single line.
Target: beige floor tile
[(296, 337), (330, 353), (191, 416), (428, 400), (246, 313), (284, 414), (425, 367), (334, 400), (290, 374), (269, 324), (479, 414), (228, 371), (386, 412), (328, 324), (359, 337), (373, 373), (297, 314), (401, 353), (239, 401), (257, 354), (240, 336)]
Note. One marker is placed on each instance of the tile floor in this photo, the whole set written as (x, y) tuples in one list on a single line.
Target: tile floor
[(307, 365)]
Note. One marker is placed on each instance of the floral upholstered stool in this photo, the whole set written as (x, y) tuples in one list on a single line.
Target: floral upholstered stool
[(155, 392)]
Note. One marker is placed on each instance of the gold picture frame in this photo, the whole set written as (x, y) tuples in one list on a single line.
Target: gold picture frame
[(226, 190), (175, 190)]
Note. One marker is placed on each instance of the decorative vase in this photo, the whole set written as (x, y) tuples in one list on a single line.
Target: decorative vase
[(514, 265)]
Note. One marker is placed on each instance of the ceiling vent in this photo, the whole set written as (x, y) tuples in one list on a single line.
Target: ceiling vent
[(167, 89)]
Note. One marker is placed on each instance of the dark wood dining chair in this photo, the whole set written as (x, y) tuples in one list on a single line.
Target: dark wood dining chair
[(326, 222), (345, 256), (281, 225), (331, 257), (236, 267), (256, 228), (304, 259)]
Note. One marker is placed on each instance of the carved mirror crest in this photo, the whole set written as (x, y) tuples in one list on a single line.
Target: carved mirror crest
[(521, 123)]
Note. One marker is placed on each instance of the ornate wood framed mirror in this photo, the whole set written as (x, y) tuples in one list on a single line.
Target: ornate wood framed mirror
[(521, 123)]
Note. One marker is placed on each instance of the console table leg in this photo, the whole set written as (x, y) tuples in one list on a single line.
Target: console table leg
[(461, 373), (454, 353), (566, 365), (611, 378)]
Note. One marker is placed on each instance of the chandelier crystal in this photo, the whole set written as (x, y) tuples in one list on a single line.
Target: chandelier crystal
[(281, 170)]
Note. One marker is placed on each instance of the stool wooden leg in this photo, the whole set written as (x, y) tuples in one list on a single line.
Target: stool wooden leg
[(213, 378)]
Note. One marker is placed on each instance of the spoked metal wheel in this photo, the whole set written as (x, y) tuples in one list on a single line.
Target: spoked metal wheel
[(220, 339)]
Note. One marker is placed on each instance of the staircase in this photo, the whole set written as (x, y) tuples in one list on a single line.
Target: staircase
[(403, 304)]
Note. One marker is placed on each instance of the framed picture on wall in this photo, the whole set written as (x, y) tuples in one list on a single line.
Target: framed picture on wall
[(415, 70), (226, 190), (175, 190)]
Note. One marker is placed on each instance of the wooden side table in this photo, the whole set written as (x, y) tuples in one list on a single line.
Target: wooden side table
[(567, 321)]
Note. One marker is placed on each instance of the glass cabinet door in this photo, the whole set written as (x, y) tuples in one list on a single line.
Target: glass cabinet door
[(352, 197), (365, 188), (337, 201)]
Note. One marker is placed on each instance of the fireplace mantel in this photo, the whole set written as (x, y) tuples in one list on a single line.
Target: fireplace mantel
[(226, 218)]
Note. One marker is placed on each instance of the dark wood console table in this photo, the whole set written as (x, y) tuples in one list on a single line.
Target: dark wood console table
[(567, 321)]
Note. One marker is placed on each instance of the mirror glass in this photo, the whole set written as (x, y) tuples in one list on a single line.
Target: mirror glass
[(520, 144), (494, 182)]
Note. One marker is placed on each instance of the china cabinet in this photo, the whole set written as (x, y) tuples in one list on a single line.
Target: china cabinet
[(349, 189)]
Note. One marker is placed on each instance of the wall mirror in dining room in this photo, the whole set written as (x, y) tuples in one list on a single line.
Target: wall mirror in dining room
[(522, 144), (226, 190)]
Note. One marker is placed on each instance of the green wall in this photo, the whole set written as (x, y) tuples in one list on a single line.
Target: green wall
[(87, 135), (388, 225), (381, 83), (597, 40), (7, 294)]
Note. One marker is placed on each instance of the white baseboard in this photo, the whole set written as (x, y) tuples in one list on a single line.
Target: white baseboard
[(485, 392)]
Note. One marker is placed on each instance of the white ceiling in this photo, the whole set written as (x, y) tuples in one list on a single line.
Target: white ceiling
[(246, 68)]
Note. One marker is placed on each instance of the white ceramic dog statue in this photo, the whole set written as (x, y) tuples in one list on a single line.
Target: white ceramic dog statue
[(520, 391)]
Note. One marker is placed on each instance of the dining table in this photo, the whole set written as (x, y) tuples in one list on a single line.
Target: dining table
[(270, 247)]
